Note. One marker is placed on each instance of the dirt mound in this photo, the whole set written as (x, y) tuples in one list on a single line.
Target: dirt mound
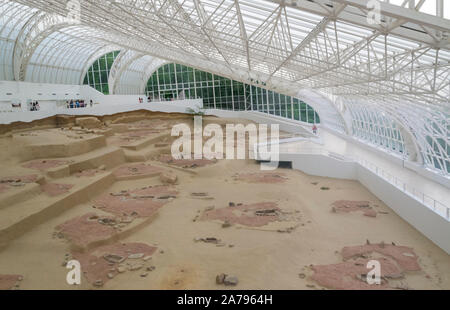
[(253, 215), (168, 177), (69, 120), (139, 203), (105, 262), (347, 206), (89, 122), (261, 177)]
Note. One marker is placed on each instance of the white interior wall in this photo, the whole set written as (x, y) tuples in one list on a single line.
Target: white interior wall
[(429, 223), (49, 94), (285, 124), (46, 94)]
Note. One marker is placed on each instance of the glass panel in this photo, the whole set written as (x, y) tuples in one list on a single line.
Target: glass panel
[(223, 93)]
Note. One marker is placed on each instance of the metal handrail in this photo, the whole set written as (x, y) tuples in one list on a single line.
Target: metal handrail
[(425, 199)]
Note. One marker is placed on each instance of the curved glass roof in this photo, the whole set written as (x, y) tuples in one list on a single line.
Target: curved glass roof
[(327, 51)]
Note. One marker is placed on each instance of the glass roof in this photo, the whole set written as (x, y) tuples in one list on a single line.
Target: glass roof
[(323, 46)]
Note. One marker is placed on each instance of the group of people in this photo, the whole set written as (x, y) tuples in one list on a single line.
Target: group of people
[(150, 99), (141, 100), (75, 104), (34, 106)]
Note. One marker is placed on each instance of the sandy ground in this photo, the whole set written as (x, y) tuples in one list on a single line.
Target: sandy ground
[(274, 256)]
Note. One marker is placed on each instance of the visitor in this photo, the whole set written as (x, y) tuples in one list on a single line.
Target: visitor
[(91, 103), (314, 129)]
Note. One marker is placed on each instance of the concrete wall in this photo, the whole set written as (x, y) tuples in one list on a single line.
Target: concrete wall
[(322, 165), (22, 91), (11, 91), (286, 125), (433, 226), (48, 96)]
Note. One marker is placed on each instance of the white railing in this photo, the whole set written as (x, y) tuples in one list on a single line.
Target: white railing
[(425, 199), (433, 204)]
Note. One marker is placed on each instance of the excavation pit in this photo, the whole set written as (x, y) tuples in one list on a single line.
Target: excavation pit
[(252, 215), (83, 230), (347, 206), (394, 261), (104, 263), (351, 275), (139, 203), (404, 256)]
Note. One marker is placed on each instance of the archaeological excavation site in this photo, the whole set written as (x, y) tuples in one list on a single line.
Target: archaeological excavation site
[(215, 152), (107, 193)]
